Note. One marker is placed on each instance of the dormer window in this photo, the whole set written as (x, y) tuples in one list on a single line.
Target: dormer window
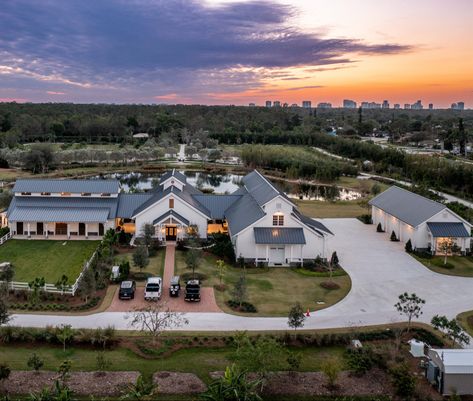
[(105, 194), (278, 219), (171, 203), (86, 194), (45, 193), (26, 193)]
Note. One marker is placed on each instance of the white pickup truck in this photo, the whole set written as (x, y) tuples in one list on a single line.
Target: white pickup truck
[(153, 289)]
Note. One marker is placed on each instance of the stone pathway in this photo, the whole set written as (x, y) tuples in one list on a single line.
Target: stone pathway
[(169, 261)]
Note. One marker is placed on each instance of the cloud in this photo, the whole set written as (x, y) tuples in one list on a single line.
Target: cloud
[(132, 49), (55, 93)]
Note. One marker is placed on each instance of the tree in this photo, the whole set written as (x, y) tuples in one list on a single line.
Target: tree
[(156, 318), (408, 246), (410, 306), (239, 291), (296, 317), (193, 257), (294, 360), (4, 315), (331, 369), (379, 228), (333, 264), (35, 286), (102, 362), (140, 257), (61, 283), (393, 237), (148, 232), (40, 158), (64, 370), (451, 328), (445, 246), (64, 334), (88, 284), (221, 270), (35, 362)]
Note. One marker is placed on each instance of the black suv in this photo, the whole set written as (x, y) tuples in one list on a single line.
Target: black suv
[(127, 290), (193, 291)]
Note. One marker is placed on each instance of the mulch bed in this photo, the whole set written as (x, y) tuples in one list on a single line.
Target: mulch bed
[(81, 383), (179, 383), (375, 382)]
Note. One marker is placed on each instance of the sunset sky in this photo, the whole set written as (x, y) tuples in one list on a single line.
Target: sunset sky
[(236, 52)]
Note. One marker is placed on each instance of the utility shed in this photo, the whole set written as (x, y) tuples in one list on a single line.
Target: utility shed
[(453, 370)]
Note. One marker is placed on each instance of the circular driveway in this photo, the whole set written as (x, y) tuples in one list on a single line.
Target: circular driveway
[(380, 270)]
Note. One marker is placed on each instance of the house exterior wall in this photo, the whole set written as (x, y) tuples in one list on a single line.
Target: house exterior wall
[(461, 383), (180, 207), (244, 242)]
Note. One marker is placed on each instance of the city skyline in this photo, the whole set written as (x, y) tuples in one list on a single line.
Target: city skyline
[(222, 52)]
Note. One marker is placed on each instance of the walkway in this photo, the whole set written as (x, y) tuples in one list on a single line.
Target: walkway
[(169, 261), (380, 271)]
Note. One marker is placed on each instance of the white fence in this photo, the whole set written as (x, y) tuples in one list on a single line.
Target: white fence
[(66, 290), (5, 238)]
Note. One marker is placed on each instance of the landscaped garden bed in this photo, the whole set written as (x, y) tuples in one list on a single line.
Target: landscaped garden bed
[(455, 265), (179, 383)]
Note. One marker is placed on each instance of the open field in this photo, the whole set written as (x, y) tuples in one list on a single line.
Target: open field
[(45, 258), (456, 265), (321, 209), (272, 290)]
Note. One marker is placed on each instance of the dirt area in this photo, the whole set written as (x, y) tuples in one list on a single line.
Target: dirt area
[(81, 383), (179, 383), (207, 303)]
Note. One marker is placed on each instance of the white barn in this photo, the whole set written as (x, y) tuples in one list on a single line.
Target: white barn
[(423, 221)]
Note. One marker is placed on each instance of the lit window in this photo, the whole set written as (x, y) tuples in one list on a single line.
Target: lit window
[(105, 194), (65, 194), (278, 219), (26, 193), (171, 203), (86, 194)]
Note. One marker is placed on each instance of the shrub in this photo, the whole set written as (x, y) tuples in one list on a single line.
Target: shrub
[(331, 369), (191, 276), (394, 237), (360, 360), (245, 306), (365, 218), (404, 382), (408, 246), (379, 228), (35, 362)]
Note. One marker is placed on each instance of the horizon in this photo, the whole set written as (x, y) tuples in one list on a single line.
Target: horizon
[(222, 52)]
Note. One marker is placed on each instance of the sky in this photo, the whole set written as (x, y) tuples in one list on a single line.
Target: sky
[(236, 52)]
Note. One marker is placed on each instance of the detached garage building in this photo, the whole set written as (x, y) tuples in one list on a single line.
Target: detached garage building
[(423, 221)]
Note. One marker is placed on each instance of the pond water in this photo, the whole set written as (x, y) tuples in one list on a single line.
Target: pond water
[(228, 183)]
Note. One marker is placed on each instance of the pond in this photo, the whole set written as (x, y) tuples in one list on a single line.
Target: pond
[(228, 183)]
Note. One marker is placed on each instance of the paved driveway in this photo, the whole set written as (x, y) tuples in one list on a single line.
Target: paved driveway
[(380, 270)]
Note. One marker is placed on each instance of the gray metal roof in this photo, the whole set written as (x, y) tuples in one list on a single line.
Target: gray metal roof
[(171, 213), (86, 203), (216, 204), (173, 173), (94, 186), (259, 187), (281, 236), (243, 213), (312, 223), (128, 203), (407, 206), (78, 215), (446, 229)]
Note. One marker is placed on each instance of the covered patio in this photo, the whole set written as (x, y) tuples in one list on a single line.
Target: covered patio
[(448, 237), (170, 226)]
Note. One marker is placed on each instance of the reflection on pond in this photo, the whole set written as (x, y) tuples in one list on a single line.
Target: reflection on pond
[(228, 183)]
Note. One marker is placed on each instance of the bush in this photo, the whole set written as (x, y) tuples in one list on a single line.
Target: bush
[(223, 247), (408, 246), (245, 306), (365, 218), (379, 228), (35, 362), (404, 382), (360, 360), (393, 237)]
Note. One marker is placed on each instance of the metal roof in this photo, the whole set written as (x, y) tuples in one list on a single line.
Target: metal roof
[(94, 186), (312, 223), (281, 236), (407, 206), (243, 213), (128, 203), (446, 229), (456, 361), (53, 215), (216, 204), (173, 173), (260, 188), (171, 213)]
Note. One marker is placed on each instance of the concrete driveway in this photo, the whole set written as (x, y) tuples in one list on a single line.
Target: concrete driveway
[(380, 270)]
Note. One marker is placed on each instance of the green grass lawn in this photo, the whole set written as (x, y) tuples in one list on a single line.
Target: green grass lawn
[(273, 290), (322, 209), (155, 267), (462, 265), (466, 320), (48, 259), (200, 361)]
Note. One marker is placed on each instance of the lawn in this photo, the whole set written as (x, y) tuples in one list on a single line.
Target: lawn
[(154, 268), (456, 265), (323, 209), (272, 290), (200, 360), (48, 259), (466, 321)]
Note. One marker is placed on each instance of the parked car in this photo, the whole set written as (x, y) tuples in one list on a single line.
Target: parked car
[(175, 286), (193, 291), (153, 289), (127, 290)]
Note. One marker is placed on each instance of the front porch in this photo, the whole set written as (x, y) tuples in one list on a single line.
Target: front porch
[(448, 238), (57, 230)]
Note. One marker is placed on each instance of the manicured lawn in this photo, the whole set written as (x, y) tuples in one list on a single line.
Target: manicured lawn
[(272, 290), (462, 265), (200, 361), (321, 209), (155, 267), (466, 320), (48, 259)]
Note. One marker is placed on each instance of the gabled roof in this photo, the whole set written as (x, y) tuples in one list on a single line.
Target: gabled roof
[(242, 213), (260, 188), (173, 173), (456, 361), (447, 229), (94, 186), (128, 203), (407, 206), (314, 224), (279, 236), (171, 213), (216, 204)]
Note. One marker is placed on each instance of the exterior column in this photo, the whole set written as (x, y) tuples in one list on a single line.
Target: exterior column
[(46, 230), (86, 230), (267, 253), (302, 257), (292, 246), (29, 234), (68, 235)]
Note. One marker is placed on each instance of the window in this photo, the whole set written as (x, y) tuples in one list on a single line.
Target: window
[(278, 219), (171, 203), (65, 194), (86, 194), (46, 193), (26, 193), (105, 194)]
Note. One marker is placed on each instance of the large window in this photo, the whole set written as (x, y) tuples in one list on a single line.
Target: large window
[(278, 219)]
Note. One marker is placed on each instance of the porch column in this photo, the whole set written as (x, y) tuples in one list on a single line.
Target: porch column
[(46, 229), (267, 253), (29, 230), (68, 234), (302, 257), (86, 230), (291, 252)]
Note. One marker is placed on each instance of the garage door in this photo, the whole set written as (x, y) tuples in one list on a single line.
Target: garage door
[(276, 256)]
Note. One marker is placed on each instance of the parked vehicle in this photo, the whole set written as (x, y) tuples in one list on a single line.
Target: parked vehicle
[(153, 288), (193, 291), (127, 290), (175, 286), (115, 275)]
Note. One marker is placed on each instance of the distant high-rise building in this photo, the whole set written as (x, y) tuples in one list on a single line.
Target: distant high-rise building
[(324, 105), (276, 103), (407, 106), (268, 103), (306, 104), (349, 104), (385, 104), (431, 106), (370, 105), (417, 105), (251, 105), (458, 106), (397, 106), (294, 105)]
